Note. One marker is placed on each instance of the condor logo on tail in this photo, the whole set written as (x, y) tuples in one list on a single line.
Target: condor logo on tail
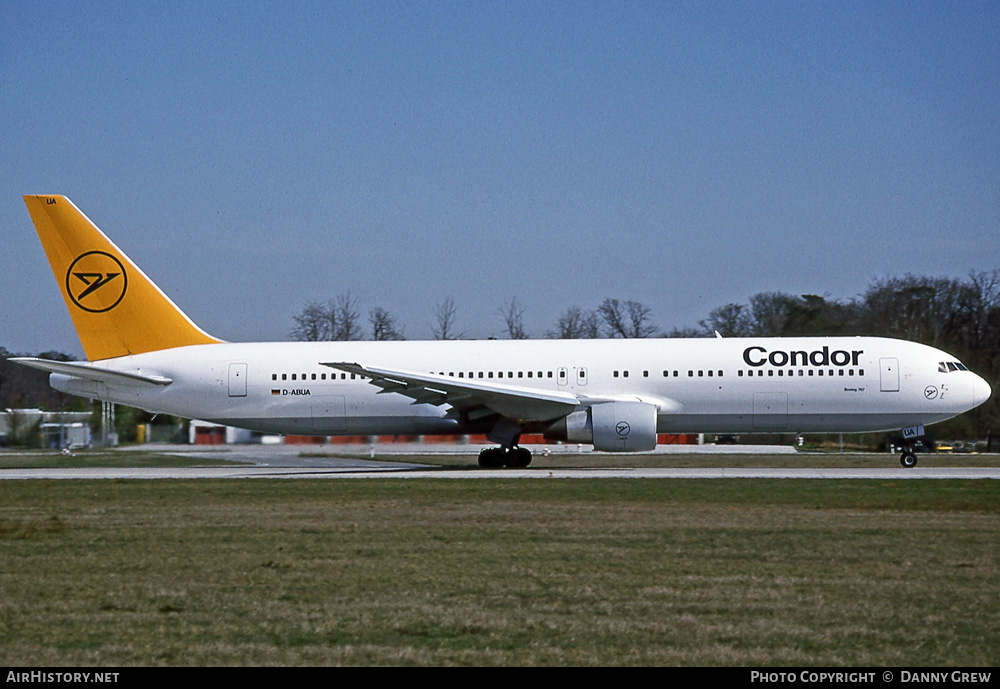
[(96, 281)]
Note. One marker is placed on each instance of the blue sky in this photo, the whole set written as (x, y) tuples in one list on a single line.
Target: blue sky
[(253, 156)]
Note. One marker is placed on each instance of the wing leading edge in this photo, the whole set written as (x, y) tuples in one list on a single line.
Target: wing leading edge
[(520, 404)]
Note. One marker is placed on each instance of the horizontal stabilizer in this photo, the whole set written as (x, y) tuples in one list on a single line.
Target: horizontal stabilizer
[(90, 372)]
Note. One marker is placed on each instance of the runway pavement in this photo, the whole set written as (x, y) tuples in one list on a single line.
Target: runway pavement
[(386, 470), (309, 462)]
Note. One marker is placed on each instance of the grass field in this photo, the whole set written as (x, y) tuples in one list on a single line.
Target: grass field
[(500, 572)]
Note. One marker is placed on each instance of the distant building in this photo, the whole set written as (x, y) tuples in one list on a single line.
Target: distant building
[(56, 429)]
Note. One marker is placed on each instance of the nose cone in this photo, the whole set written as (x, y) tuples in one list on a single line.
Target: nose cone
[(981, 391)]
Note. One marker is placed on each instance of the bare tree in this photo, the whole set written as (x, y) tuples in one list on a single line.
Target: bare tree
[(576, 324), (686, 332), (591, 323), (312, 323), (384, 325), (333, 320), (769, 313), (639, 320), (346, 318), (626, 319), (731, 320), (981, 306), (513, 316), (444, 317)]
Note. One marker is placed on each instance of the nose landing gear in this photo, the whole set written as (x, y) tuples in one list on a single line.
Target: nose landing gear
[(912, 436)]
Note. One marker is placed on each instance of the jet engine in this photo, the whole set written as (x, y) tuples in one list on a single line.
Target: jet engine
[(610, 426)]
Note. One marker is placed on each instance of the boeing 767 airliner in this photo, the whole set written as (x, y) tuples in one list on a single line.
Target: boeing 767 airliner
[(615, 394)]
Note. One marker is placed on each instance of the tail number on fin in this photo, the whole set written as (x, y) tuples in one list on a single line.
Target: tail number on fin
[(96, 281)]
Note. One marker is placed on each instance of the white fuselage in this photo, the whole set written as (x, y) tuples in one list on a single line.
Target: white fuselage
[(737, 385)]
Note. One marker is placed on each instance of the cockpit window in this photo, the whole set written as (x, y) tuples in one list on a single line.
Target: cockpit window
[(952, 366), (949, 366)]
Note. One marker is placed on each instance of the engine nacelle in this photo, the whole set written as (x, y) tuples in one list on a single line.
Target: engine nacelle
[(610, 426)]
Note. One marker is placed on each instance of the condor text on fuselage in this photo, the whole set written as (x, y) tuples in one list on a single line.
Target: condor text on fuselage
[(758, 356)]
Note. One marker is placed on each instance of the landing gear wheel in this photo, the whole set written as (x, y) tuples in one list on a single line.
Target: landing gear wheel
[(491, 458), (908, 459), (518, 458), (497, 457)]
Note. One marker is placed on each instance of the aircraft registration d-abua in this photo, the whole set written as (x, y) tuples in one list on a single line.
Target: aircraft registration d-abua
[(615, 394)]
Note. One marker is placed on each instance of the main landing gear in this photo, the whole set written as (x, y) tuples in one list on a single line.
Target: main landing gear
[(909, 458), (497, 457)]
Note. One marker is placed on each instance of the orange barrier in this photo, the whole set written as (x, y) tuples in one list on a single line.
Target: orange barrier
[(671, 439), (398, 439), (304, 440), (209, 435)]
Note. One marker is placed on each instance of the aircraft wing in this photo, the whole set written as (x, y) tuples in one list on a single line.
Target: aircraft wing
[(479, 398), (86, 371)]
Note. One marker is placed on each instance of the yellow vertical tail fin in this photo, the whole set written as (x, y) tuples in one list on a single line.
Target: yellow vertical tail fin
[(115, 308)]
